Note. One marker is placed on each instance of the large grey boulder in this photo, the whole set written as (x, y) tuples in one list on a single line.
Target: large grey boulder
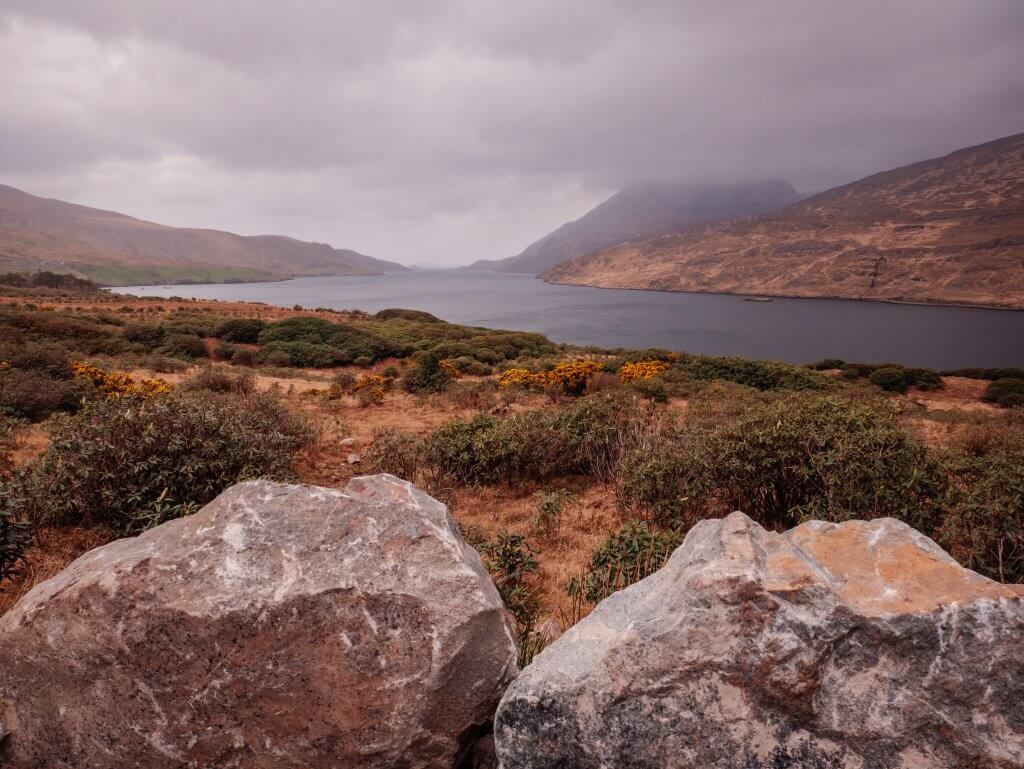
[(280, 626), (860, 645)]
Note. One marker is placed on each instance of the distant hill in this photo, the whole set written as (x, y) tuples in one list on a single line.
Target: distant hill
[(114, 249), (643, 211), (950, 229)]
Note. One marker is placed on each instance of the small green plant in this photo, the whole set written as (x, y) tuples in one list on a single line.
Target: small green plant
[(510, 560), (551, 505), (626, 557)]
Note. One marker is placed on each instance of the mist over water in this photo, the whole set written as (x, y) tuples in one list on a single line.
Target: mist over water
[(794, 330)]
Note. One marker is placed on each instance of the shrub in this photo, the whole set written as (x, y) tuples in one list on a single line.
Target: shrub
[(587, 437), (827, 364), (990, 374), (428, 375), (240, 330), (567, 378), (1005, 392), (642, 370), (243, 356), (187, 346), (891, 379), (794, 458), (419, 316), (34, 396), (626, 557), (652, 389), (48, 359), (345, 338), (510, 561), (299, 354), (217, 379), (363, 361), (759, 374), (224, 351), (151, 335), (924, 379), (984, 529), (471, 367), (393, 452), (161, 364), (121, 459)]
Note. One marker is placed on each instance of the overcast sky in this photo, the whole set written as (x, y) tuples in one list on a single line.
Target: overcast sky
[(443, 132)]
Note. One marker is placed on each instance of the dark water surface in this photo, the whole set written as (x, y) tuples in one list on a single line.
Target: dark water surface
[(795, 330)]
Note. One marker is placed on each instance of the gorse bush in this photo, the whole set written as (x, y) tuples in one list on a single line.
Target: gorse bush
[(890, 379), (117, 458)]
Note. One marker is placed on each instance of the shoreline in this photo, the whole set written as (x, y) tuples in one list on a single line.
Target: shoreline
[(769, 295)]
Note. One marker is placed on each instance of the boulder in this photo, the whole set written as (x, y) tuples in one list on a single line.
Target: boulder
[(280, 626), (859, 645)]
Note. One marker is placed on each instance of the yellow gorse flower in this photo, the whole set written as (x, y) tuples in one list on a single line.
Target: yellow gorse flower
[(571, 378), (645, 369), (118, 383)]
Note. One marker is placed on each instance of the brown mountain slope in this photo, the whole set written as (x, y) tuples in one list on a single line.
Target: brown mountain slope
[(643, 211), (949, 229), (41, 233)]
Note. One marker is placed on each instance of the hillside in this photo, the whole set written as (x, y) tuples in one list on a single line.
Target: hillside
[(950, 229), (41, 233), (644, 211)]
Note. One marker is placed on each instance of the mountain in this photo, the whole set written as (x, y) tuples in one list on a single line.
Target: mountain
[(643, 211), (950, 229), (41, 233)]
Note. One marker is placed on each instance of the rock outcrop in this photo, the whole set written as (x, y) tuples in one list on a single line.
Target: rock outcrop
[(856, 646), (280, 626)]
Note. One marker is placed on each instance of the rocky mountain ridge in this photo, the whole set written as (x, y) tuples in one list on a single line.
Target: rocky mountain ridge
[(950, 229)]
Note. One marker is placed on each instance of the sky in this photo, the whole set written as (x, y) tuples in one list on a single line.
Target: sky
[(440, 132)]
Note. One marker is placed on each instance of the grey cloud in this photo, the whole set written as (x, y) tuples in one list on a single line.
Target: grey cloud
[(446, 131)]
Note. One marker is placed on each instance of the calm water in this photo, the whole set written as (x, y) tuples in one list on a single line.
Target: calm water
[(795, 330)]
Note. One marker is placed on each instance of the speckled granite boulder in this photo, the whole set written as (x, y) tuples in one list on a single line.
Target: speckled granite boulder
[(854, 646), (280, 626)]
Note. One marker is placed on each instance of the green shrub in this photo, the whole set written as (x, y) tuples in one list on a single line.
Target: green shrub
[(217, 379), (14, 535), (120, 459), (224, 351), (990, 374), (471, 367), (1005, 392), (984, 528), (394, 452), (186, 346), (349, 340), (299, 354), (891, 379), (626, 557), (795, 458), (924, 379), (510, 561), (240, 330), (34, 396), (551, 505), (363, 361), (827, 364), (419, 316), (151, 335), (427, 376), (587, 437), (652, 389), (759, 374), (48, 359), (243, 356)]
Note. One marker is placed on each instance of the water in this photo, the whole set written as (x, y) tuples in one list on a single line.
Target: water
[(794, 330)]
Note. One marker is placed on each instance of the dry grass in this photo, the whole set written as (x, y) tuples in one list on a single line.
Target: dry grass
[(52, 551)]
